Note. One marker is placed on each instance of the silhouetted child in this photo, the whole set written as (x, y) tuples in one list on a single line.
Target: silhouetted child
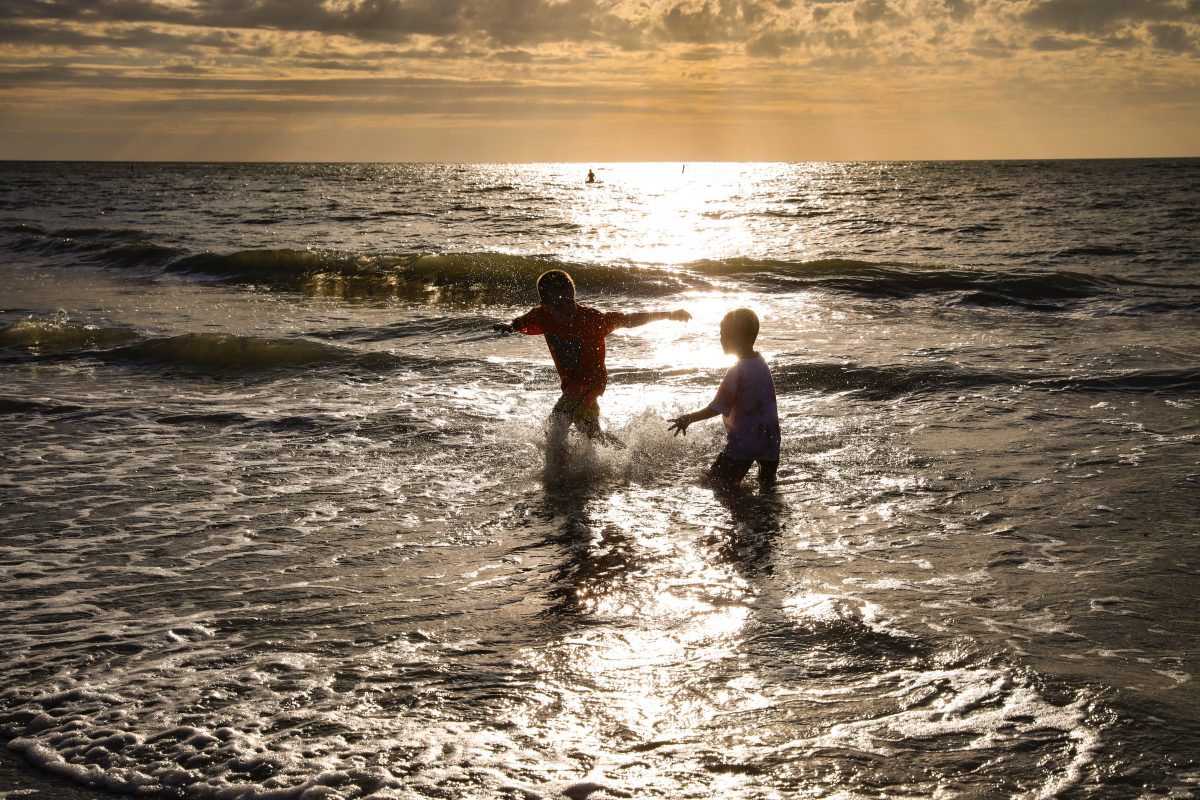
[(746, 400), (575, 335)]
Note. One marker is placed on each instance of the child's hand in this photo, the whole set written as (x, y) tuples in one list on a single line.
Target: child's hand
[(679, 425), (680, 315), (502, 327)]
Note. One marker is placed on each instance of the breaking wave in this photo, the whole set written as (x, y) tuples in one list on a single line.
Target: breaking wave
[(892, 381), (223, 352), (897, 280), (53, 336), (112, 247), (467, 276), (506, 277), (216, 353), (230, 354)]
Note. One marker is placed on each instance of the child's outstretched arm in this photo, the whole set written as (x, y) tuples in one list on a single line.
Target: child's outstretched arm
[(642, 317), (522, 324), (680, 424), (526, 323)]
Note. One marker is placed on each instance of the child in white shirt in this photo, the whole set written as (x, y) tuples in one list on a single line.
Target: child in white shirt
[(746, 400)]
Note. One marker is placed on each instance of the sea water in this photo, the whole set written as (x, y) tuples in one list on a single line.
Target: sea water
[(276, 521)]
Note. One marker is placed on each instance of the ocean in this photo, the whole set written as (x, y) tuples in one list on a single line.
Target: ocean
[(277, 522)]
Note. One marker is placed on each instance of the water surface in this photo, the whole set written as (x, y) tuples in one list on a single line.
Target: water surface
[(277, 524)]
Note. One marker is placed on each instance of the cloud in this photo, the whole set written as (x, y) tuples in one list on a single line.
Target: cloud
[(702, 54), (695, 26), (330, 65), (524, 22), (917, 31), (774, 44), (498, 59), (507, 22), (988, 46), (872, 11), (514, 56), (1099, 16), (207, 101), (960, 10), (1172, 38), (1053, 44), (98, 11), (46, 35)]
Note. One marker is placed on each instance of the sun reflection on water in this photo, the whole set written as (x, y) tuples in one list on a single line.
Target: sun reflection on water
[(659, 599), (668, 213)]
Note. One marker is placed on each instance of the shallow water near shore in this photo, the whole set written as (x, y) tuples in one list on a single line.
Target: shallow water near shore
[(278, 523)]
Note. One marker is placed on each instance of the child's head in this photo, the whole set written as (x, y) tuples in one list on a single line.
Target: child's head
[(555, 285), (739, 330)]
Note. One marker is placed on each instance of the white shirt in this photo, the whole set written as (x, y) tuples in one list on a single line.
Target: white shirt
[(746, 401)]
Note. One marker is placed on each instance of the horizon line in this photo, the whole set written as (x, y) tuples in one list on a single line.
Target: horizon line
[(1011, 159)]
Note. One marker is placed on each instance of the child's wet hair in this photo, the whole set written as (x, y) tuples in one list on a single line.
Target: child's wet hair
[(743, 323), (554, 281)]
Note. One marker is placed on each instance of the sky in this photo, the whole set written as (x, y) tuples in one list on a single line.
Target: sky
[(598, 80)]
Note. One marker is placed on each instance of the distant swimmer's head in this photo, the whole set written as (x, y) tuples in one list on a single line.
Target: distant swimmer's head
[(739, 331), (555, 287)]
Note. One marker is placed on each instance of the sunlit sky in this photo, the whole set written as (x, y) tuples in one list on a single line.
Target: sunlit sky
[(598, 80)]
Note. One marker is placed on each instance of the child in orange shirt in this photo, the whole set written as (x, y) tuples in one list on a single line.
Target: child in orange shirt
[(575, 335)]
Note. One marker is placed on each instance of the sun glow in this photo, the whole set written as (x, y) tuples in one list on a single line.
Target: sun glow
[(664, 214), (692, 345)]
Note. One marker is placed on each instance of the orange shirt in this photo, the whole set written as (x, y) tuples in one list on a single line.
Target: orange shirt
[(576, 347)]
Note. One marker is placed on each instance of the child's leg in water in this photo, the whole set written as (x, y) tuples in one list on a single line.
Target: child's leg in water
[(584, 413), (591, 429), (556, 435), (728, 470)]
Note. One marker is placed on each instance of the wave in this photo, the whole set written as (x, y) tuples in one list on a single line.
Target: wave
[(16, 405), (502, 277), (800, 213), (514, 276), (1095, 250), (883, 382), (464, 328), (481, 277), (468, 276), (893, 381), (51, 342), (234, 355), (376, 424), (223, 354), (30, 341), (898, 280), (901, 280), (230, 353), (1153, 381), (109, 247), (53, 336), (1156, 307), (294, 423), (494, 277)]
